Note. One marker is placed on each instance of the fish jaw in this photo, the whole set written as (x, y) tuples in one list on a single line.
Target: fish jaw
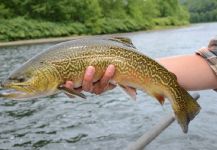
[(13, 91), (22, 91), (15, 95), (19, 95)]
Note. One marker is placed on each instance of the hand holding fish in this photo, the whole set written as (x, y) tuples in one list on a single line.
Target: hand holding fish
[(98, 87)]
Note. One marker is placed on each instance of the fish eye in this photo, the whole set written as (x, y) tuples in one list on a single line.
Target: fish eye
[(21, 79), (10, 78)]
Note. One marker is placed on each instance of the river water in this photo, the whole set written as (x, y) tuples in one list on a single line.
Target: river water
[(110, 121)]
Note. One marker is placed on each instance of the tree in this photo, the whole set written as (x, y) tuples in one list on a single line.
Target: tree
[(4, 12), (202, 10)]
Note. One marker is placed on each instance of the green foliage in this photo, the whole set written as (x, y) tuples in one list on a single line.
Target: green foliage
[(20, 28), (28, 19), (202, 10), (4, 12)]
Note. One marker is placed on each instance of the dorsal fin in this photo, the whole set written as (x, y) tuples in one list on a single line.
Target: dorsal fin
[(124, 40)]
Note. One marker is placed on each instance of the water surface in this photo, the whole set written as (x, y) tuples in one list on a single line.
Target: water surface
[(111, 120)]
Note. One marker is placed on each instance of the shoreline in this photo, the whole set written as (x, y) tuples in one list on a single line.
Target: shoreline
[(63, 39), (38, 41)]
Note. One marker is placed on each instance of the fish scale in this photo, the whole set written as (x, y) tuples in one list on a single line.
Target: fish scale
[(47, 72)]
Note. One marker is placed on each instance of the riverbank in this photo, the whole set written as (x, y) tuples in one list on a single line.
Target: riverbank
[(63, 39), (24, 29), (33, 20), (38, 41)]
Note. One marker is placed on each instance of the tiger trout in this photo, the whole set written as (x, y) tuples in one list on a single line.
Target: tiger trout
[(46, 73)]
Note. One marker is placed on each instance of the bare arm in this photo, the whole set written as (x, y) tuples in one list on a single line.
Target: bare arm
[(192, 71)]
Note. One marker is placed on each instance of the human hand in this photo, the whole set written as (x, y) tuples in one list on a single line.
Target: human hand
[(97, 87)]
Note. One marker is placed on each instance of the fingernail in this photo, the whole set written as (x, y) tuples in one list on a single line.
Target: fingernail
[(111, 67)]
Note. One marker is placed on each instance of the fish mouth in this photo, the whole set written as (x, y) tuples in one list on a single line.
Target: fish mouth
[(12, 94), (14, 91)]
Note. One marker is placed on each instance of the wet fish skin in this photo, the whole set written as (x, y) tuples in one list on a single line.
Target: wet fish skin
[(43, 74)]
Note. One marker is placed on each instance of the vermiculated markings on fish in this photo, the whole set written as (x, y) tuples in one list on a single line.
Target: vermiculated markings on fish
[(69, 60)]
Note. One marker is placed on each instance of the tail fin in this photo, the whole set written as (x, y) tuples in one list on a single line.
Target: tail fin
[(187, 113)]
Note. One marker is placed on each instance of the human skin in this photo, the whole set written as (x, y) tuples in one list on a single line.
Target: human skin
[(97, 87), (192, 72)]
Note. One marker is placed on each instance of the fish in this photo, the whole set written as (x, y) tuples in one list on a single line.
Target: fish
[(46, 73)]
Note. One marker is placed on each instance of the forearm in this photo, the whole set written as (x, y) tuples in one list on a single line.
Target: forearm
[(192, 71)]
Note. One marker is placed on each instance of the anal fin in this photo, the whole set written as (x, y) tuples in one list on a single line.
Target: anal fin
[(71, 91), (160, 98)]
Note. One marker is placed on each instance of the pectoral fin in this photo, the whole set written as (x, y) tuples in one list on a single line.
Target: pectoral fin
[(71, 91), (130, 91)]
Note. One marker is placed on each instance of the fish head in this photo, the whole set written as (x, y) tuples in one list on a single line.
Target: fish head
[(28, 82)]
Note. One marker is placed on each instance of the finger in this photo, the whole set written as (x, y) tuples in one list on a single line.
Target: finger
[(69, 84), (109, 73), (87, 83)]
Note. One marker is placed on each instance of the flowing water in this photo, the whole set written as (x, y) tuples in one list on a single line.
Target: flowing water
[(110, 121)]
